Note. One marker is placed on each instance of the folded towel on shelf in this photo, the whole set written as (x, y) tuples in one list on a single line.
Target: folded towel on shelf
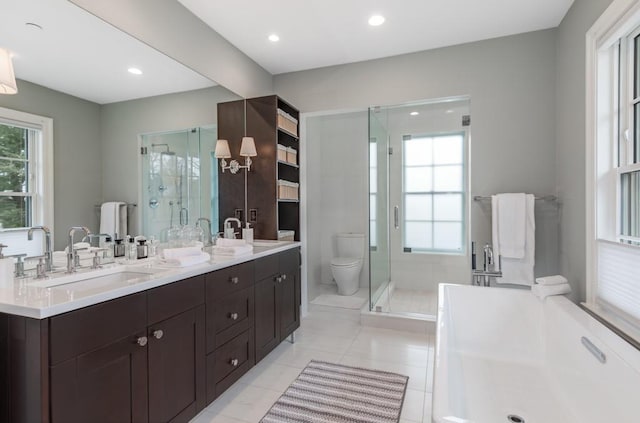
[(184, 261), (552, 280), (228, 242), (543, 291), (514, 270), (171, 253), (232, 251)]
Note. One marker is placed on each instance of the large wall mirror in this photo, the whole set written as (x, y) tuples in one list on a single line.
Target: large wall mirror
[(73, 68)]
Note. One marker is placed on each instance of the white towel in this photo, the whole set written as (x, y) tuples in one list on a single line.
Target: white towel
[(544, 291), (552, 280), (509, 224), (171, 253), (514, 270), (232, 251), (113, 219), (185, 261), (228, 242)]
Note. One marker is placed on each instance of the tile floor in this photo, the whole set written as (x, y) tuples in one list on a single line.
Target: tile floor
[(335, 335)]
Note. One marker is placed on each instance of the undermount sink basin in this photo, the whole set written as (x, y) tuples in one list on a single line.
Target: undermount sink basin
[(116, 274)]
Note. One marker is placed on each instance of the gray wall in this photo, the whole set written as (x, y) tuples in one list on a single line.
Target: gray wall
[(511, 82), (123, 122), (76, 149), (570, 136)]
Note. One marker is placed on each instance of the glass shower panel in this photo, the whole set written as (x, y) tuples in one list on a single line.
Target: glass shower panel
[(378, 207), (179, 180)]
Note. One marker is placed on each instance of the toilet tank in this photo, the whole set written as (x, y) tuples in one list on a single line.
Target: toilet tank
[(350, 245)]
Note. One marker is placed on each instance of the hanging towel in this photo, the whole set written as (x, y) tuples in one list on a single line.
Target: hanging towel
[(513, 232), (113, 219)]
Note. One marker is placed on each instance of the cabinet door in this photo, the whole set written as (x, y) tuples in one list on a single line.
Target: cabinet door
[(177, 367), (267, 322), (106, 385), (289, 292)]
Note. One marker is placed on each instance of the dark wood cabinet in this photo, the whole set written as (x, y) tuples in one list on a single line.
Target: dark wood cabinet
[(277, 303), (155, 356), (269, 120), (99, 376)]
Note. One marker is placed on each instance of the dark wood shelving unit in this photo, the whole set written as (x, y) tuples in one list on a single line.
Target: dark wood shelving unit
[(260, 115)]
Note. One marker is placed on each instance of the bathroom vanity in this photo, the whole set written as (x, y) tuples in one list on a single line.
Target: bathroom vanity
[(157, 348)]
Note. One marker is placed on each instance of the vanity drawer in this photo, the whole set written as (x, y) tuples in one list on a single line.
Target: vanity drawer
[(221, 371), (228, 317), (225, 281), (89, 328)]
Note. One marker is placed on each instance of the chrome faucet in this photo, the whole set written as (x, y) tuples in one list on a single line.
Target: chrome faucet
[(488, 257), (48, 259), (208, 235), (71, 252), (228, 229)]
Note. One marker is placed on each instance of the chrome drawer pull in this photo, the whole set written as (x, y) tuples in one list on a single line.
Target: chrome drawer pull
[(233, 316), (234, 280), (158, 333), (234, 362), (284, 277), (142, 341)]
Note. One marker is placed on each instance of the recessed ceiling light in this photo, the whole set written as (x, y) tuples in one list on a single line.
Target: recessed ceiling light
[(376, 20), (449, 111), (135, 71), (274, 38), (414, 113)]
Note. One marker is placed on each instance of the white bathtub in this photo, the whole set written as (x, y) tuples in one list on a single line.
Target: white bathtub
[(502, 352)]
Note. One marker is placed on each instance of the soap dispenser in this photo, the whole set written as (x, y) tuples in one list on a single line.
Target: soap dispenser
[(247, 234)]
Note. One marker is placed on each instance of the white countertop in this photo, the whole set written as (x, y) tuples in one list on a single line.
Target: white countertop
[(26, 297)]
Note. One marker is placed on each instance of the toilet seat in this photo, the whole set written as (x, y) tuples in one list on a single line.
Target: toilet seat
[(345, 261)]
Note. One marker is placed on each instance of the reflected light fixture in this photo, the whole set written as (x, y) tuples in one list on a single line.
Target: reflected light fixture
[(376, 20), (134, 71), (414, 113), (274, 38), (7, 76), (247, 150)]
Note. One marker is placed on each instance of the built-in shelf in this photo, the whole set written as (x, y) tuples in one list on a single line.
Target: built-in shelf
[(288, 164), (284, 131)]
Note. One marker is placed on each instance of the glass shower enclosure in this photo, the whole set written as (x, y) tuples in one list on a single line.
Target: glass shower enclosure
[(418, 203), (179, 180)]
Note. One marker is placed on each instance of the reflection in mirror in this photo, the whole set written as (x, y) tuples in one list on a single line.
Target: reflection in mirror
[(179, 181), (72, 67)]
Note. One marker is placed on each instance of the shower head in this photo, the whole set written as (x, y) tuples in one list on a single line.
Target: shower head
[(167, 152)]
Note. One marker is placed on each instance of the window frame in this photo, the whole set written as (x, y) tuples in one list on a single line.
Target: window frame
[(42, 164), (464, 196), (609, 122)]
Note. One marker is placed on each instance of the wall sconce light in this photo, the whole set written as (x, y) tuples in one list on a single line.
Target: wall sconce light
[(247, 150), (7, 77)]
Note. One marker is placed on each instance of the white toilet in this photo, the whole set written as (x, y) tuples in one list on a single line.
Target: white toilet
[(347, 264)]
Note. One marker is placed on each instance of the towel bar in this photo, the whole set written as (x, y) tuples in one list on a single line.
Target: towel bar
[(543, 198)]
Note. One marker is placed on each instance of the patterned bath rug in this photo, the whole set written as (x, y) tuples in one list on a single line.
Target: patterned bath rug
[(326, 392)]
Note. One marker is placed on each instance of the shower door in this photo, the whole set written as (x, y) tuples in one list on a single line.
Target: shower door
[(379, 260), (419, 202)]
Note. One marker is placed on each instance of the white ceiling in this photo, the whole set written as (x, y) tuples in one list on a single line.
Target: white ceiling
[(79, 54), (317, 33)]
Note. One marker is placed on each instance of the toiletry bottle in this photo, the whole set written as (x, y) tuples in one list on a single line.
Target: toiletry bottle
[(118, 248), (132, 251), (142, 250), (247, 234), (107, 254), (153, 246)]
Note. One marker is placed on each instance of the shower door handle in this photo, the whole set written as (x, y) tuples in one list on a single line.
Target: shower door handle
[(396, 217)]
